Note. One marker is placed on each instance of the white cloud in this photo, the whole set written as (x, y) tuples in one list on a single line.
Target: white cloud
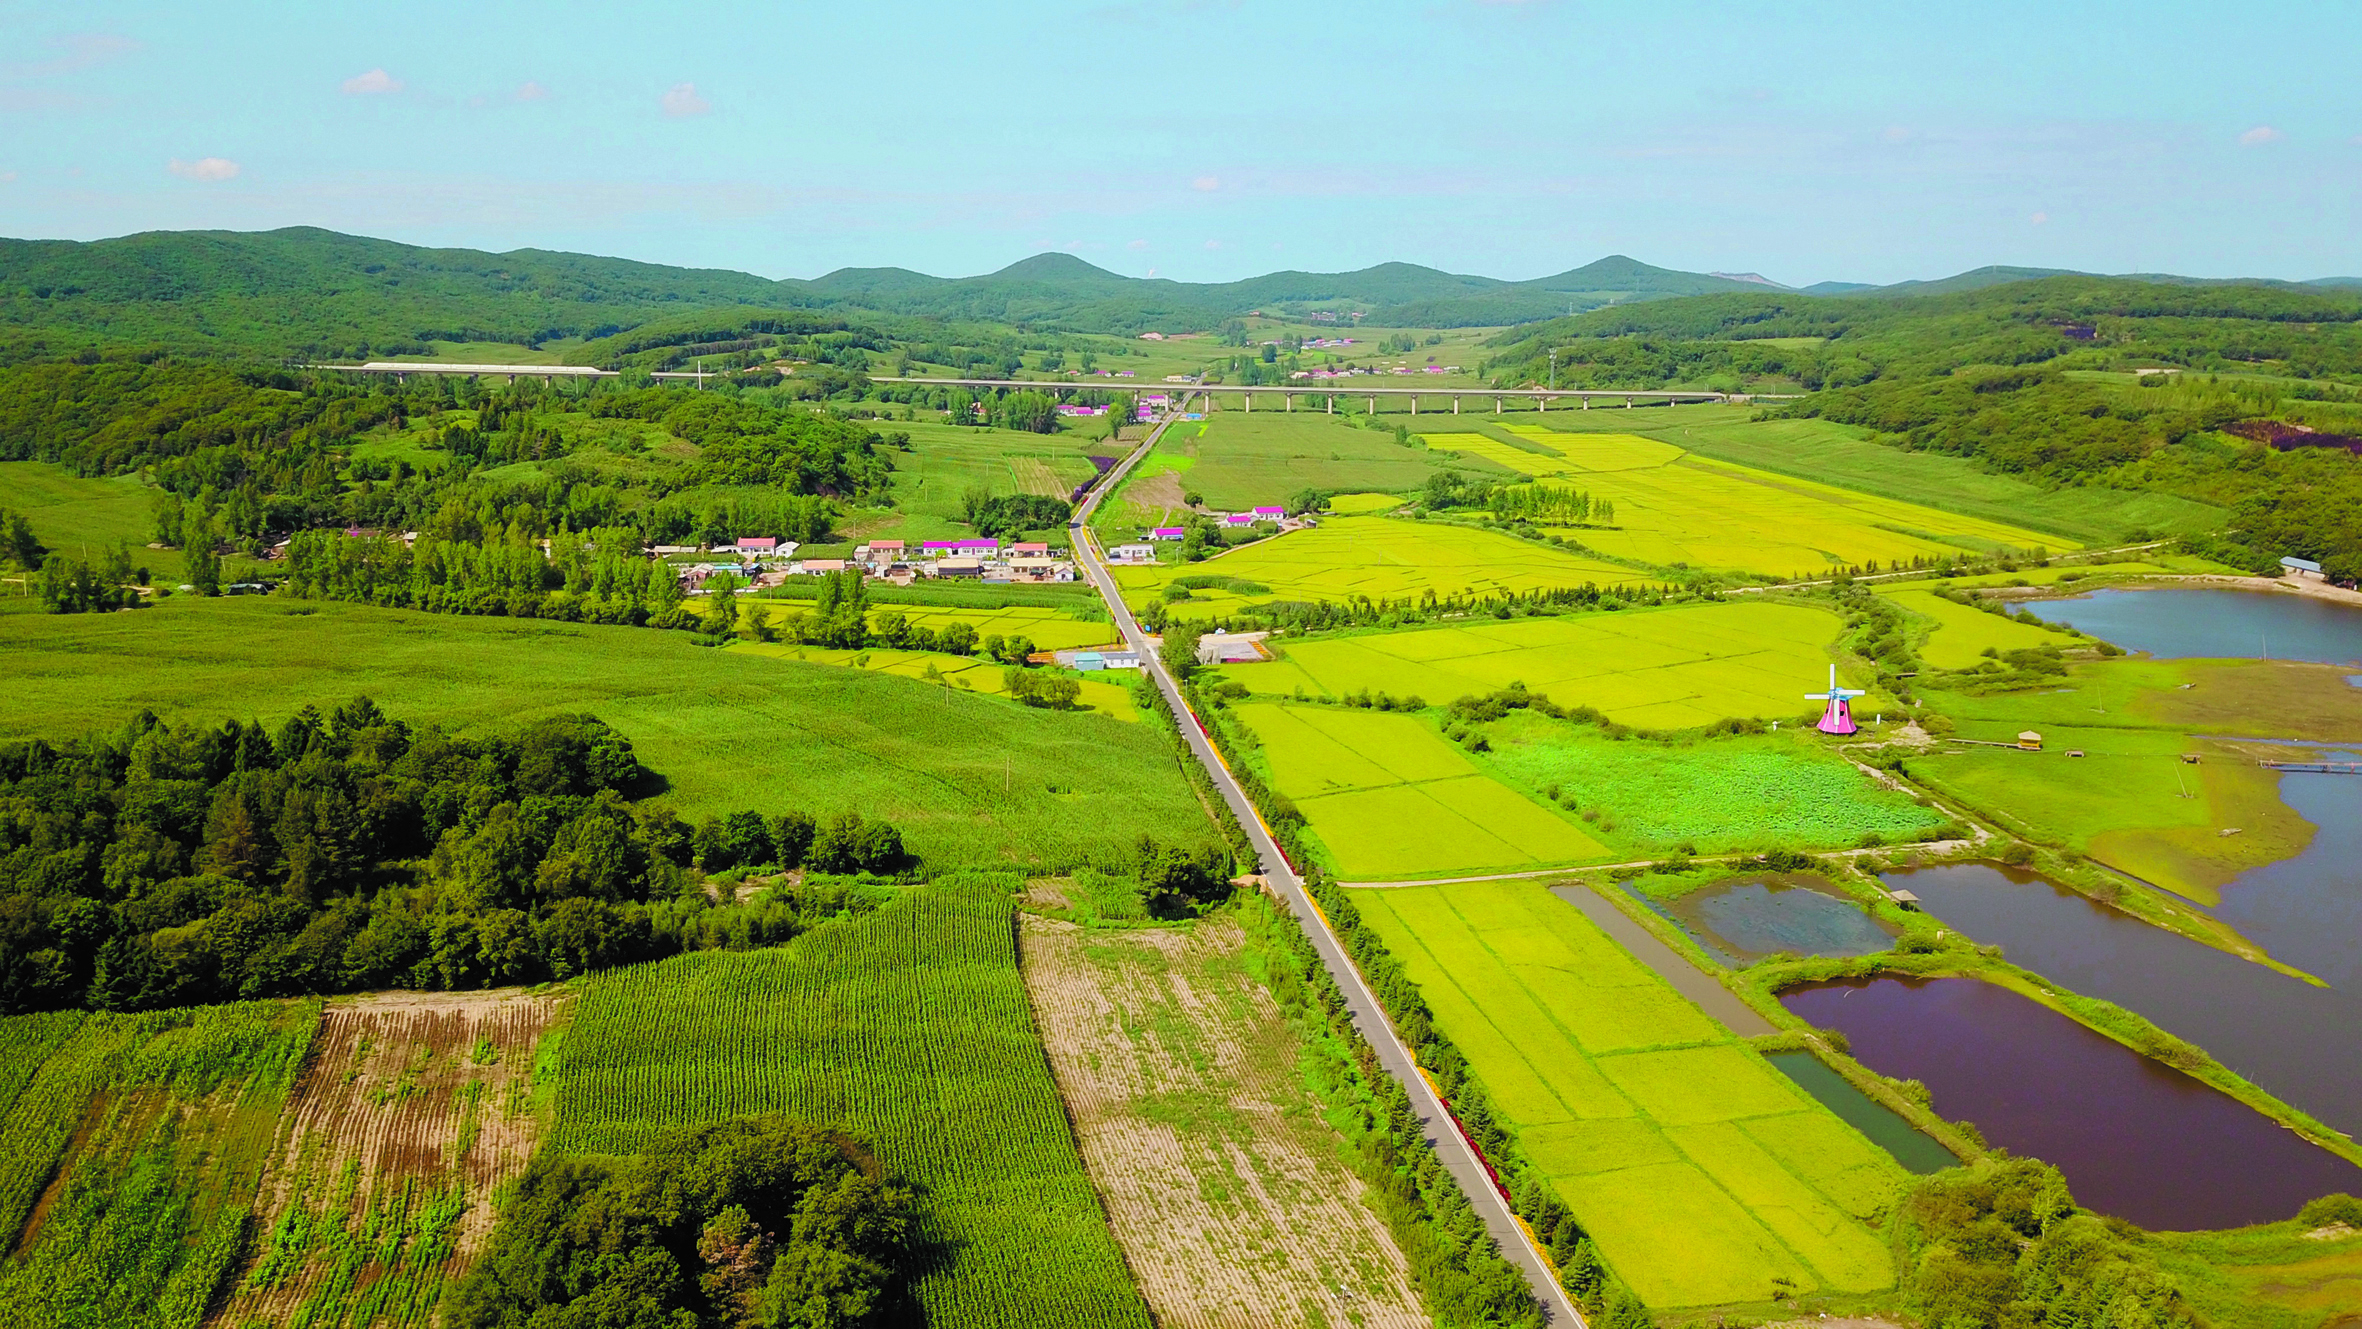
[(2039, 218), (1213, 244), (77, 52), (204, 168), (1205, 184), (531, 91), (2260, 135), (1137, 244), (681, 99), (371, 84)]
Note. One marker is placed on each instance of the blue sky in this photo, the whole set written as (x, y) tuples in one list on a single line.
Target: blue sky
[(1205, 140)]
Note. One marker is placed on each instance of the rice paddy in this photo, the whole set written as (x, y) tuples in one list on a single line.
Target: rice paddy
[(1963, 634), (1704, 1175), (1670, 668), (1387, 797), (1677, 509), (1380, 558)]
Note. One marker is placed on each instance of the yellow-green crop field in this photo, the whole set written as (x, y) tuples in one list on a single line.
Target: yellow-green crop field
[(1675, 507), (1962, 633), (1381, 558), (1671, 668), (1364, 505), (1388, 798), (961, 673), (1050, 629), (1701, 1173)]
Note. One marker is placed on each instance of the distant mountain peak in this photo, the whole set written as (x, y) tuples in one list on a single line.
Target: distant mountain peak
[(1054, 265)]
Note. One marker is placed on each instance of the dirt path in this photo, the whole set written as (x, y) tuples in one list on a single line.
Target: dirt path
[(1221, 1180)]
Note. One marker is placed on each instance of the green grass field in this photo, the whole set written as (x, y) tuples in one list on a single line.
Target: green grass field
[(1961, 635), (1732, 794), (1702, 1173), (961, 673), (1387, 797), (910, 1025), (2130, 801), (1669, 668), (84, 519), (1239, 459), (728, 729), (945, 461), (1821, 451), (1676, 509), (1378, 557)]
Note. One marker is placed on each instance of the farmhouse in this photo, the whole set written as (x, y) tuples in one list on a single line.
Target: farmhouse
[(1269, 514), (959, 567), (1132, 554), (1032, 569), (1030, 549), (1238, 519), (758, 544), (1168, 533)]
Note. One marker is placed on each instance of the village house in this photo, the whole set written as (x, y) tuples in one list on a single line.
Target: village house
[(1169, 533), (1132, 554)]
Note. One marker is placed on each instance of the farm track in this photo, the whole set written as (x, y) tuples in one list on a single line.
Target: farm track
[(1219, 1176), (1451, 1146)]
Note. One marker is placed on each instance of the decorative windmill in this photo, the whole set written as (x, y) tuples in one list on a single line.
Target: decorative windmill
[(1839, 719)]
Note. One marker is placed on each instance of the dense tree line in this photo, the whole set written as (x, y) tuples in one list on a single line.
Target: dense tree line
[(999, 516), (168, 865), (753, 1221), (2003, 1244)]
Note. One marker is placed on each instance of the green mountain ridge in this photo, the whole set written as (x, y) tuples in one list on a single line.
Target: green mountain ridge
[(309, 294)]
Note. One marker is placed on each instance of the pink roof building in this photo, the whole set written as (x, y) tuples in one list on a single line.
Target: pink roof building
[(1238, 519), (759, 543), (1270, 514), (1029, 550)]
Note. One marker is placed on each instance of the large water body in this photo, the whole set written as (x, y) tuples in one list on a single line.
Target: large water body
[(2301, 1043), (2134, 1137), (2194, 622)]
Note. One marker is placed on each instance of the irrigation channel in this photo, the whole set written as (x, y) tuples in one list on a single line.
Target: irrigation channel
[(1451, 1146)]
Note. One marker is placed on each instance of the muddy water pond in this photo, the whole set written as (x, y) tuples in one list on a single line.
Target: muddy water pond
[(1914, 1150), (2299, 1042), (1740, 922), (2212, 624), (2134, 1137)]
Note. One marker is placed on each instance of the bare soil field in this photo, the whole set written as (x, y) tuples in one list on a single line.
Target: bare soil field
[(414, 1108), (1221, 1180)]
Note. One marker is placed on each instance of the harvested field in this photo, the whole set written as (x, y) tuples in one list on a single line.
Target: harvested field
[(412, 1112), (1220, 1178)]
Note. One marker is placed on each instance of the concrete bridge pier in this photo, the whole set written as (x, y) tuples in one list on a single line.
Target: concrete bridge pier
[(1586, 403), (1455, 403)]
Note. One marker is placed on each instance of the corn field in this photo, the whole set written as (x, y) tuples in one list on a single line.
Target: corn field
[(130, 1151), (909, 1025)]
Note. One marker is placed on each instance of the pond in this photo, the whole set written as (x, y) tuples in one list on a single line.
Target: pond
[(1911, 1147), (2299, 1042), (2307, 910), (2213, 624), (2135, 1138), (1740, 922)]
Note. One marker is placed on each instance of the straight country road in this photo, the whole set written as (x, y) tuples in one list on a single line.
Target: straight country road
[(1458, 1155)]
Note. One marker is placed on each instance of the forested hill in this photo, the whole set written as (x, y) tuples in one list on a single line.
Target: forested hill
[(304, 293)]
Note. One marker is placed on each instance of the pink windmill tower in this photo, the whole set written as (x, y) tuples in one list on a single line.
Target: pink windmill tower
[(1839, 718)]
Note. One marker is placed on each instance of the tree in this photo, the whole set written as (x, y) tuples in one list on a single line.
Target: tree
[(1178, 650), (202, 565)]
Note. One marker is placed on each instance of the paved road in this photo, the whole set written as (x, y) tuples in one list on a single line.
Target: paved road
[(1458, 1155)]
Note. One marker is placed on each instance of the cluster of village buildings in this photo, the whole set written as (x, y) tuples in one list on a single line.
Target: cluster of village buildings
[(764, 561), (1144, 549)]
